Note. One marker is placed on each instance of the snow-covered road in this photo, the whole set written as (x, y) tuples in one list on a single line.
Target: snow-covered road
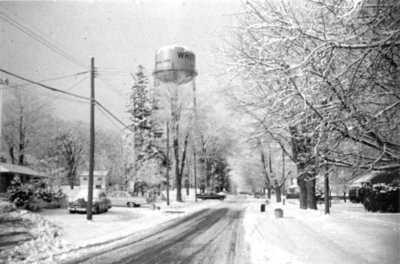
[(212, 235), (232, 231)]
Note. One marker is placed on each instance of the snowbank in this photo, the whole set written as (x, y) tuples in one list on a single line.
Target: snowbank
[(309, 236), (59, 233), (45, 234)]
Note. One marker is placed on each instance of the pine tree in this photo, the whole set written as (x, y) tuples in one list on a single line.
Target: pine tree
[(146, 152), (139, 108)]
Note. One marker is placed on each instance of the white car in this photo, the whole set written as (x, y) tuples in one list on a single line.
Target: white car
[(122, 198), (100, 202)]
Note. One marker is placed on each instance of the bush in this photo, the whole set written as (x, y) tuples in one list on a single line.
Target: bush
[(382, 198), (34, 196)]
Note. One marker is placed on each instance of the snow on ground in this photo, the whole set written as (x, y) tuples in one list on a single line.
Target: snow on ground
[(347, 235), (118, 221), (59, 232)]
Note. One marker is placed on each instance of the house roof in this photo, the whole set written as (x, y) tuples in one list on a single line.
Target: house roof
[(376, 177), (16, 169), (95, 173)]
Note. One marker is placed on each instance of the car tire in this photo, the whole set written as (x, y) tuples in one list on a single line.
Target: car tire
[(71, 212), (97, 211)]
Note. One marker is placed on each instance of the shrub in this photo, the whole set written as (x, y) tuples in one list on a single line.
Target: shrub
[(382, 198), (33, 196)]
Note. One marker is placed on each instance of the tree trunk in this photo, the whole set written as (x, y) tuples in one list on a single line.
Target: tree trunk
[(11, 152), (311, 201), (212, 182), (71, 180), (265, 171), (178, 176), (183, 161), (208, 174), (278, 194), (303, 192), (21, 156)]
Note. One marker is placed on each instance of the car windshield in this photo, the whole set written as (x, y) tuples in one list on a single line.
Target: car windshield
[(83, 194)]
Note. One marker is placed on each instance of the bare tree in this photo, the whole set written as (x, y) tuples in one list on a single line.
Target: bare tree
[(174, 104), (71, 146), (26, 119), (326, 72)]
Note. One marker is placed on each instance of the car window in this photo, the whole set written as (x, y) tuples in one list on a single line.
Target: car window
[(82, 194)]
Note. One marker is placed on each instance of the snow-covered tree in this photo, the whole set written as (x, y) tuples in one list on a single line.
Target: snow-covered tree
[(142, 144), (26, 119), (324, 74)]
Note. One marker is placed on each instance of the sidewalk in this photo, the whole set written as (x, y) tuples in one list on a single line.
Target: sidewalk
[(310, 236)]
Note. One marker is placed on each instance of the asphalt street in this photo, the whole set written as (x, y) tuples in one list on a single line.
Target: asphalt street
[(213, 235)]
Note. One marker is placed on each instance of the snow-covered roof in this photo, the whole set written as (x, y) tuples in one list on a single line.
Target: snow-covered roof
[(376, 177), (16, 169), (95, 173)]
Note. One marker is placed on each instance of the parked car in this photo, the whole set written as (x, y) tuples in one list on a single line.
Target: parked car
[(100, 202), (122, 198), (293, 192), (219, 196)]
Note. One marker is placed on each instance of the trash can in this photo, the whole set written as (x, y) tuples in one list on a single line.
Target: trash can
[(262, 208), (278, 213)]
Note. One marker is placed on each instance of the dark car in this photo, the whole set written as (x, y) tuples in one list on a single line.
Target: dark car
[(218, 196), (100, 202), (122, 198)]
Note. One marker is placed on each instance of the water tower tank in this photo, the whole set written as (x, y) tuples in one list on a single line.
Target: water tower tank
[(175, 64)]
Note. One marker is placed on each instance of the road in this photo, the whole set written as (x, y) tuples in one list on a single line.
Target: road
[(213, 235)]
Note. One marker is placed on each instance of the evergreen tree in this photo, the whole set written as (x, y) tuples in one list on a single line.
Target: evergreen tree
[(139, 108), (143, 145)]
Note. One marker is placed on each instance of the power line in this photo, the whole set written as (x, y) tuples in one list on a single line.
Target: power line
[(112, 121), (113, 116), (56, 78), (42, 40), (44, 86), (70, 94), (116, 91), (111, 69), (23, 86), (50, 101)]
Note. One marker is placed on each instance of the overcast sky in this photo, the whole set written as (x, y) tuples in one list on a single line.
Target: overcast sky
[(119, 34)]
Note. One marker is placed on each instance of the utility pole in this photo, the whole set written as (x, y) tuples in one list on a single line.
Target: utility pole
[(91, 150), (2, 84), (194, 140), (167, 163)]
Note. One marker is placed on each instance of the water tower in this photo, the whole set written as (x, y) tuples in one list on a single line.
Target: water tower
[(175, 64)]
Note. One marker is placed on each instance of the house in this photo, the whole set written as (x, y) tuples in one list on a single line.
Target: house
[(99, 179), (370, 178), (9, 171), (374, 177)]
